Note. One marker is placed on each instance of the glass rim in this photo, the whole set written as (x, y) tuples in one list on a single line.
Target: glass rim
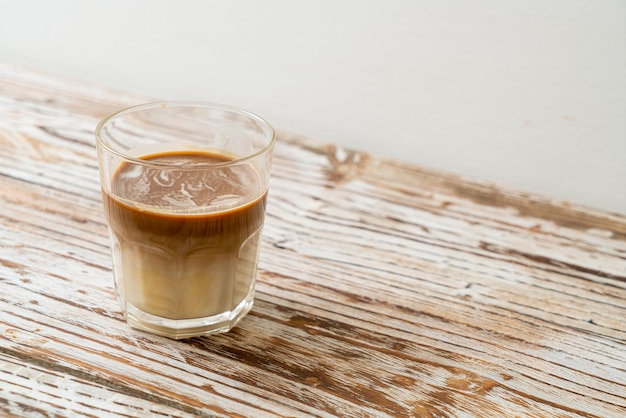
[(101, 142)]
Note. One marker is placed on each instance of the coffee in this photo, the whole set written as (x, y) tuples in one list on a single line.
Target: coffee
[(185, 232)]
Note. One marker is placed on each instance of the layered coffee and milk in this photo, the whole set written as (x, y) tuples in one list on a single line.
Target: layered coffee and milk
[(185, 240)]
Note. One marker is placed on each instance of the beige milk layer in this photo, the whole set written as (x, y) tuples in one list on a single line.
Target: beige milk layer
[(185, 241)]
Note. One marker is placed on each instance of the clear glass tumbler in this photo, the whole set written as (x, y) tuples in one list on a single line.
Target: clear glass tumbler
[(184, 187)]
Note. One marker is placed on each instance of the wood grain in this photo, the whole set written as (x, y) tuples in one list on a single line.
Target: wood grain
[(385, 289)]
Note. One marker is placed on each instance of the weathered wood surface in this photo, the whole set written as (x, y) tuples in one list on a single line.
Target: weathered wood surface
[(385, 290)]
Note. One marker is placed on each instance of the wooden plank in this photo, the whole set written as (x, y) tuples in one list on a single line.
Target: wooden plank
[(385, 289), (48, 390)]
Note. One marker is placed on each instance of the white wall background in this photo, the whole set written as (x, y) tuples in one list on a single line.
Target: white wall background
[(530, 94)]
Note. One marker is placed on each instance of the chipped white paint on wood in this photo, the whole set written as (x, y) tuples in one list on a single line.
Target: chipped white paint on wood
[(385, 290)]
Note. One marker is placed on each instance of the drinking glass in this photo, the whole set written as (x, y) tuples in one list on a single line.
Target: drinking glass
[(184, 188)]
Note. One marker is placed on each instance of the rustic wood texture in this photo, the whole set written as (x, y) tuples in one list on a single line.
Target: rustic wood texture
[(385, 289)]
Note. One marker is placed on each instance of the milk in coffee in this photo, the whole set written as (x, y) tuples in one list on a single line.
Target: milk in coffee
[(185, 238)]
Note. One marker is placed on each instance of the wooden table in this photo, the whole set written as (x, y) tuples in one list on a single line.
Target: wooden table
[(385, 289)]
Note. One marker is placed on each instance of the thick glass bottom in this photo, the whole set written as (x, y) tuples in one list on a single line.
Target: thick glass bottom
[(179, 329)]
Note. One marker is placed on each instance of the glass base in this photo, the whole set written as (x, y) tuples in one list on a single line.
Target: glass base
[(179, 329)]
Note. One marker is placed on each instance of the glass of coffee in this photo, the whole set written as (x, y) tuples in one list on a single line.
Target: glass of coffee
[(184, 187)]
